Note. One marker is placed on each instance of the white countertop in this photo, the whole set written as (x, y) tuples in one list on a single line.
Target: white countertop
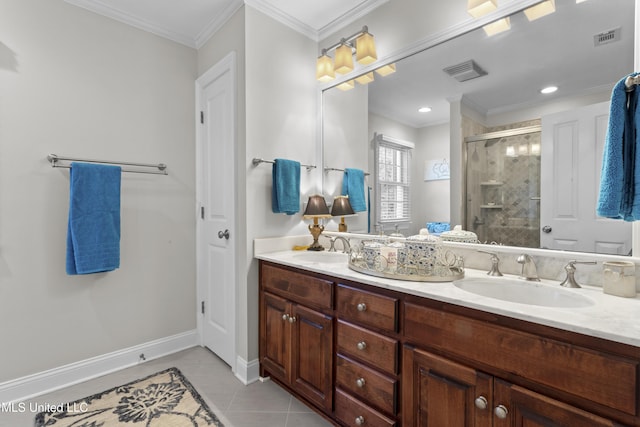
[(610, 317)]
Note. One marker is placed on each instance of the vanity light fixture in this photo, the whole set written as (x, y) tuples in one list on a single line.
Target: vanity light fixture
[(497, 27), (424, 109), (549, 89), (385, 70), (541, 9), (365, 78), (478, 8), (341, 207), (360, 44), (316, 208)]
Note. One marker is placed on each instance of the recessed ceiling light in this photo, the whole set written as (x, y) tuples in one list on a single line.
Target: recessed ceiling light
[(424, 109), (549, 89)]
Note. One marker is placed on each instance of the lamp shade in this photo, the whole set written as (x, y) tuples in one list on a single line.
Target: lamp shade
[(348, 85), (316, 208), (365, 49), (497, 27), (343, 59), (341, 206), (541, 9), (324, 69), (385, 70), (365, 78), (478, 8)]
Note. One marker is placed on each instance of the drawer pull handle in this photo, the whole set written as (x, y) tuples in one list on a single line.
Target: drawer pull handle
[(285, 317), (501, 412), (292, 319), (360, 382), (362, 307), (481, 402), (362, 345), (360, 420)]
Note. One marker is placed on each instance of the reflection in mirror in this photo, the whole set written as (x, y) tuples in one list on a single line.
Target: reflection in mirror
[(583, 49)]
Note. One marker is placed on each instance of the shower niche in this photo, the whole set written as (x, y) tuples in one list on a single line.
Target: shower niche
[(503, 186)]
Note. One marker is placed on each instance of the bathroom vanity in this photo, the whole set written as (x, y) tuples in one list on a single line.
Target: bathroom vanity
[(369, 351)]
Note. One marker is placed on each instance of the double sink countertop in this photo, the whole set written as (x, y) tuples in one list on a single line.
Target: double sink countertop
[(608, 317)]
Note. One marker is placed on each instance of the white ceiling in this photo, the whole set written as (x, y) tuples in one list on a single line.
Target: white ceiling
[(192, 22)]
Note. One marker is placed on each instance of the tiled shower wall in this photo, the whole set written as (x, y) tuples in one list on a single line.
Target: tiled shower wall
[(503, 188)]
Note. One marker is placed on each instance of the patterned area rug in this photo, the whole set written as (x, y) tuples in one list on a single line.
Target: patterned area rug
[(162, 399)]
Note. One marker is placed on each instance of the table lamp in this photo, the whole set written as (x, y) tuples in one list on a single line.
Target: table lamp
[(316, 208), (341, 207)]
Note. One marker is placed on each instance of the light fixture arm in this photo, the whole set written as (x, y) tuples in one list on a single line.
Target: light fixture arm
[(347, 40)]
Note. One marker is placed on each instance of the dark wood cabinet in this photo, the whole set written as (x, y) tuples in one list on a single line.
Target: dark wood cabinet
[(364, 356)]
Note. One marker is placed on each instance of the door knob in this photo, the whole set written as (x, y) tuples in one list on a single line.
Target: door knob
[(501, 412), (362, 307), (223, 234), (547, 229), (361, 345), (359, 420), (481, 402), (360, 382)]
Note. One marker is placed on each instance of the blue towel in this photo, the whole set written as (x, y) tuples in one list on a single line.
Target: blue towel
[(438, 227), (93, 236), (619, 196), (353, 186), (285, 193)]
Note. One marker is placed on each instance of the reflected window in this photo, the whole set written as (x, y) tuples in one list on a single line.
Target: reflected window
[(392, 181)]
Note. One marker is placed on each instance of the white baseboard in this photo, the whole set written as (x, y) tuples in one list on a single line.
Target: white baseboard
[(44, 382), (247, 372)]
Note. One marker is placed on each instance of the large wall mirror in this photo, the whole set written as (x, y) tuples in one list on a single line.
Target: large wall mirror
[(523, 166)]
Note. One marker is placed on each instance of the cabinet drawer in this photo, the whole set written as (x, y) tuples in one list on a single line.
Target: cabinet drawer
[(368, 346), (298, 287), (602, 378), (367, 384), (353, 413), (367, 308)]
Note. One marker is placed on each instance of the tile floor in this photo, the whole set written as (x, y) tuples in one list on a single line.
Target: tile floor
[(261, 404)]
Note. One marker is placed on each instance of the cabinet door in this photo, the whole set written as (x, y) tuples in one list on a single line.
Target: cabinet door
[(312, 355), (275, 336), (524, 408), (438, 392)]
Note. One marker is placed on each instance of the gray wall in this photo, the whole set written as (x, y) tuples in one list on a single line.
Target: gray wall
[(74, 83)]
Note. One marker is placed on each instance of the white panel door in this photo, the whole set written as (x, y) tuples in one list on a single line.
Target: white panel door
[(215, 91), (572, 145)]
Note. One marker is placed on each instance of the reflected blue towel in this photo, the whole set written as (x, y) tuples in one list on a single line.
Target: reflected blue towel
[(438, 227), (353, 186), (285, 193), (93, 236), (619, 195)]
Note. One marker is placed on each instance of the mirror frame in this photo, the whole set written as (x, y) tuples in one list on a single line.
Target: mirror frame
[(443, 36)]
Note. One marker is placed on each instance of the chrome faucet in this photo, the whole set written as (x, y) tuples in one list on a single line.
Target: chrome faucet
[(346, 246), (495, 264), (570, 280), (529, 271)]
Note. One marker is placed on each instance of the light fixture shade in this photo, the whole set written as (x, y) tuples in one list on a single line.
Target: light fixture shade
[(385, 70), (345, 86), (478, 8), (343, 59), (498, 26), (316, 208), (540, 10), (341, 206), (365, 78), (324, 69), (365, 49)]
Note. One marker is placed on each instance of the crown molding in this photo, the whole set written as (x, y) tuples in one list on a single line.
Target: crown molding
[(217, 23), (354, 14), (284, 18), (100, 8)]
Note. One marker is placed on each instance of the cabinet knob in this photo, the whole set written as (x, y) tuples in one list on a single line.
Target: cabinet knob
[(360, 382), (481, 402), (359, 420), (292, 319), (362, 307), (501, 412), (361, 345), (285, 317)]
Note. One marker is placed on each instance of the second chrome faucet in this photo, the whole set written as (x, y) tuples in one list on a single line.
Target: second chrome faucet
[(528, 271)]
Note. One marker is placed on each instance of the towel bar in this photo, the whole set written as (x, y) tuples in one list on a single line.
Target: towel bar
[(342, 170), (256, 161), (162, 168)]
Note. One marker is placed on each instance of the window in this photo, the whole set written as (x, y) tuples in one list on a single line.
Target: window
[(393, 194)]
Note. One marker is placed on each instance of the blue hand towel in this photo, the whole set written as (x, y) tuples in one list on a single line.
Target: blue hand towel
[(353, 186), (285, 194), (620, 178), (93, 235)]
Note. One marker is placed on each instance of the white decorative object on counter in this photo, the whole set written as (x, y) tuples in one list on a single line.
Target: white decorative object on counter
[(459, 235)]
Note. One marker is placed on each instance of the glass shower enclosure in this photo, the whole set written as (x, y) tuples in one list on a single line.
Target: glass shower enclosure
[(502, 191)]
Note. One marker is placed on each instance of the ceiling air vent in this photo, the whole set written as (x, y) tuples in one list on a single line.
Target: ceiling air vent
[(607, 37), (465, 71)]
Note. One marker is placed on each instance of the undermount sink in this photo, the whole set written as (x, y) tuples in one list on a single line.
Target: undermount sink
[(323, 257), (523, 292)]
